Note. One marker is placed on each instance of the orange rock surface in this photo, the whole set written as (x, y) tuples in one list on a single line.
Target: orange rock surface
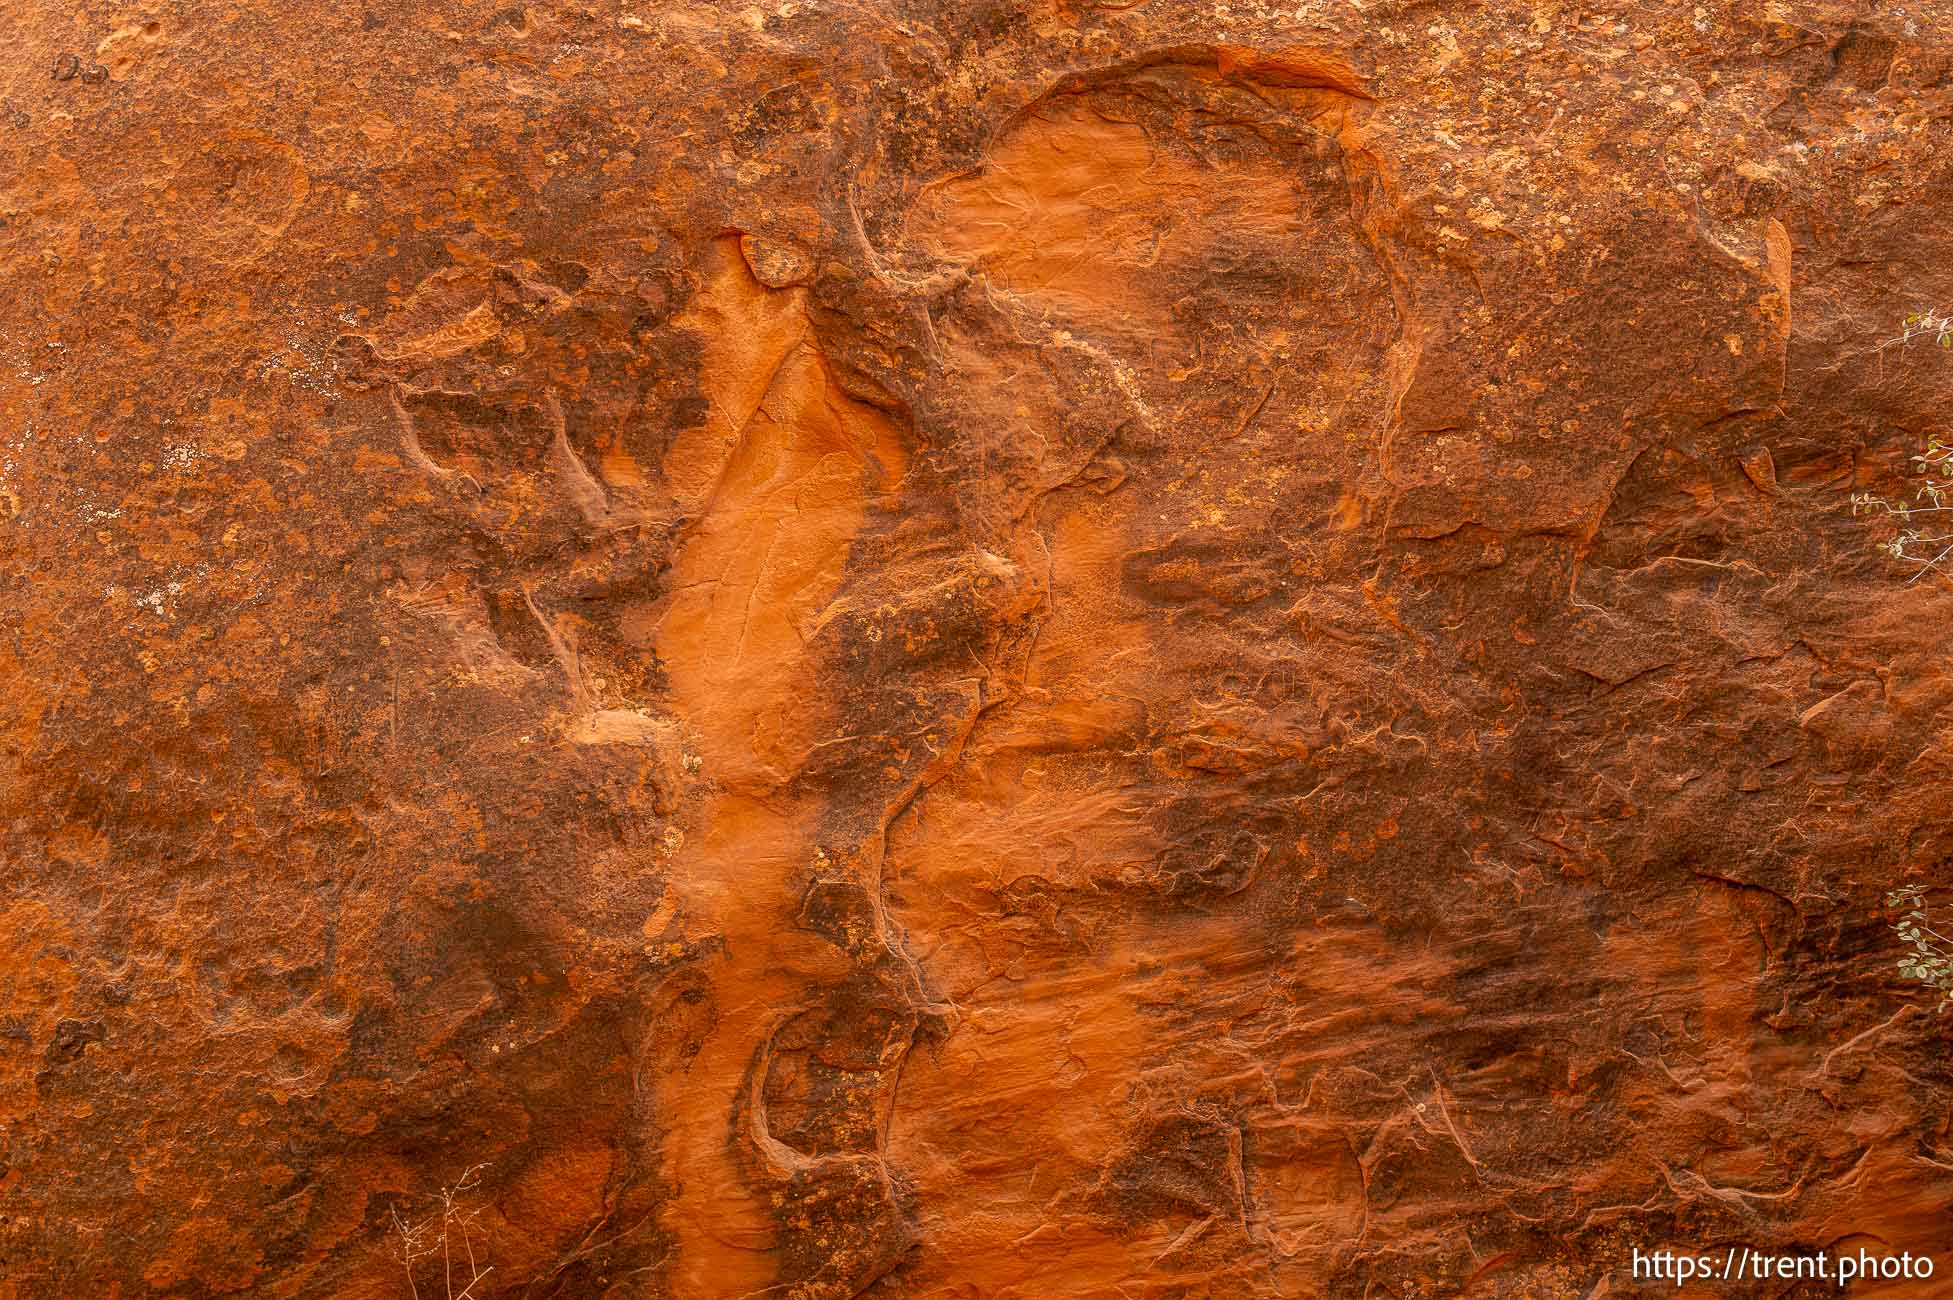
[(994, 650)]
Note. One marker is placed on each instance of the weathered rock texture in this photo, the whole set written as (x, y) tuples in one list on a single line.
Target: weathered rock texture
[(966, 649)]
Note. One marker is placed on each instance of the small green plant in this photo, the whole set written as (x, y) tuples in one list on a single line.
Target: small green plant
[(1931, 959), (1928, 324), (1920, 543)]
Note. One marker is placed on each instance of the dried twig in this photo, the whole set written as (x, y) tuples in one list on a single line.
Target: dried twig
[(436, 1234)]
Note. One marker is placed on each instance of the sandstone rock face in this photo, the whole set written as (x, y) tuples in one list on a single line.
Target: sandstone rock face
[(918, 649)]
